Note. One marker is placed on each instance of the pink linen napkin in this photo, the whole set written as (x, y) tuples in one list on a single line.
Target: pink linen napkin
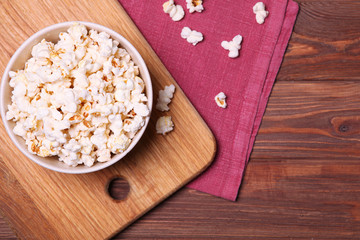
[(204, 70)]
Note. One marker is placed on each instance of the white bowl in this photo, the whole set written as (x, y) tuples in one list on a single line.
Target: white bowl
[(17, 61)]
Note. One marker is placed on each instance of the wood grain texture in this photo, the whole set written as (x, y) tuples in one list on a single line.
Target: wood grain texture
[(42, 204), (283, 199), (325, 43), (303, 180), (320, 120)]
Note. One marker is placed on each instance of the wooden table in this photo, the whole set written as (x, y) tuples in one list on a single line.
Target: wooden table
[(303, 180)]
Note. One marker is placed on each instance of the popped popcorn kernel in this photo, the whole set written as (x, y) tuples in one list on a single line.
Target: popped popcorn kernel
[(260, 12), (192, 36), (164, 125), (194, 5), (176, 12), (233, 46), (165, 97), (220, 100)]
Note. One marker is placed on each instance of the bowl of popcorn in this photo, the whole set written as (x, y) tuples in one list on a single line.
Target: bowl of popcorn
[(76, 97)]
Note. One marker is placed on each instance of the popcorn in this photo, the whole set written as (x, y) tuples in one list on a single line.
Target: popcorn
[(194, 5), (87, 160), (118, 143), (220, 100), (86, 145), (65, 99), (261, 14), (141, 109), (43, 152), (13, 112), (19, 90), (77, 32), (103, 155), (131, 126), (191, 36), (233, 46), (52, 129), (165, 97), (68, 157), (42, 49), (72, 146), (41, 113), (19, 129), (80, 99), (99, 138), (176, 12), (116, 123), (164, 125)]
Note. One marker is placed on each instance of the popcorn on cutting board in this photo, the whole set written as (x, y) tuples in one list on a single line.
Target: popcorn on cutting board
[(165, 97), (176, 12), (80, 99), (164, 124)]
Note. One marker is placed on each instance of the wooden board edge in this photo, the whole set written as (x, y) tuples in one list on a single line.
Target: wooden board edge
[(170, 193), (10, 213)]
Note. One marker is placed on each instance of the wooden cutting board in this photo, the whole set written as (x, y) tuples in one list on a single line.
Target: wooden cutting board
[(42, 204)]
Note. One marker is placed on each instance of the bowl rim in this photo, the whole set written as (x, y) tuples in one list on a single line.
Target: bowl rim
[(145, 75)]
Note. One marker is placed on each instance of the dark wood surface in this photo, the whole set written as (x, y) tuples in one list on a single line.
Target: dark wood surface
[(303, 178)]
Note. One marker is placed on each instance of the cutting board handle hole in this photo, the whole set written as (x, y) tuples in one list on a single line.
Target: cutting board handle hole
[(118, 188)]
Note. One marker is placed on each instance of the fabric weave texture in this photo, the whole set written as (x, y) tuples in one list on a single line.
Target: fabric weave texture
[(204, 70)]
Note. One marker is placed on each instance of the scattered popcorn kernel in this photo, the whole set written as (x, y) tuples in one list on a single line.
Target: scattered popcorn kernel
[(165, 97), (176, 12), (194, 5), (164, 125), (220, 100), (233, 46), (81, 99), (191, 36), (261, 13)]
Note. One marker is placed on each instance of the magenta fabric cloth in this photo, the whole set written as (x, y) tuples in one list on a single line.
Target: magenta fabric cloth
[(204, 70)]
